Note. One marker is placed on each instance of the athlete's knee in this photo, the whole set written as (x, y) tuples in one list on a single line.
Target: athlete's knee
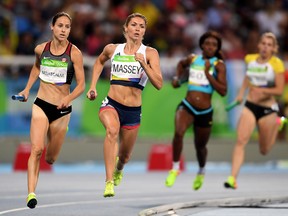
[(241, 142), (112, 132), (201, 148), (264, 150), (37, 152), (179, 135), (49, 160), (124, 158)]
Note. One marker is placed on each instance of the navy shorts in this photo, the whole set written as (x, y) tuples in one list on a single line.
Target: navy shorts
[(51, 110), (129, 117)]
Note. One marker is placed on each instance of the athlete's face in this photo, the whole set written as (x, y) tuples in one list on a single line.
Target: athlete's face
[(209, 47), (135, 29), (61, 28), (266, 47)]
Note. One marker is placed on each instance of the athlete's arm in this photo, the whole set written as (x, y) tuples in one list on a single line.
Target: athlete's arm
[(77, 59), (180, 72), (219, 83), (35, 71), (152, 67), (278, 89), (241, 92), (98, 67)]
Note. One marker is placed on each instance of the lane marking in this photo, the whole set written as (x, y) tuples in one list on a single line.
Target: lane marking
[(148, 198)]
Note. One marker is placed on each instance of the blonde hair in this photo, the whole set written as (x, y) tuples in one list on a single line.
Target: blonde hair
[(133, 15), (274, 39)]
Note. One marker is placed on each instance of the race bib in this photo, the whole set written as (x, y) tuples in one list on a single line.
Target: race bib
[(259, 74), (197, 75), (53, 71), (126, 67)]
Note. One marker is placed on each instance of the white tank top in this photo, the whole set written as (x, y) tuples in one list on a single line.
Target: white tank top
[(125, 70)]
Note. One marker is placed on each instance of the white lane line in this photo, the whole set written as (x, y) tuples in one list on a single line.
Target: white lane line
[(148, 198)]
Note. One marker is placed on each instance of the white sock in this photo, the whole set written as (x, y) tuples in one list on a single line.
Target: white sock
[(201, 171), (176, 165)]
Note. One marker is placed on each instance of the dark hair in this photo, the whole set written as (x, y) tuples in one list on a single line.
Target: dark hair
[(60, 14), (215, 35)]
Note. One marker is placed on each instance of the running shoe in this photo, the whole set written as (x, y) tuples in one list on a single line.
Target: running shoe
[(282, 121), (118, 174), (31, 200), (198, 181), (170, 180), (117, 177), (109, 189), (230, 183)]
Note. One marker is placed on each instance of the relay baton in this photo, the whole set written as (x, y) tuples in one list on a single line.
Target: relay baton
[(232, 105), (18, 97)]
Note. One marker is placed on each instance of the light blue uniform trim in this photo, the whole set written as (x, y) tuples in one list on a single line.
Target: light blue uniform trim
[(201, 62), (195, 111)]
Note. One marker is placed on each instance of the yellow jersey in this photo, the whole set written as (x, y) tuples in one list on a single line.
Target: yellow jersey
[(263, 74)]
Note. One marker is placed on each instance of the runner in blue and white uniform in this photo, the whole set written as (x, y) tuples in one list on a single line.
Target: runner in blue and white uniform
[(207, 72), (132, 64)]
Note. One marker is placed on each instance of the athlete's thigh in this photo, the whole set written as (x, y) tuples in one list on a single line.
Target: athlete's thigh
[(183, 120), (246, 126), (39, 127), (201, 135), (109, 118), (57, 132), (267, 126), (127, 139)]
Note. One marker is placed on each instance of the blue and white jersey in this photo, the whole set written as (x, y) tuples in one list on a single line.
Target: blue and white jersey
[(197, 78), (125, 70)]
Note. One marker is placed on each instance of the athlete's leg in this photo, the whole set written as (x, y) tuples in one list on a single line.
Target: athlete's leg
[(38, 131), (245, 128), (268, 130), (56, 136), (201, 137), (110, 120), (183, 120), (127, 141)]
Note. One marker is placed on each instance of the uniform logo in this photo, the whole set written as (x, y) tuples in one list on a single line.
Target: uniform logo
[(64, 112)]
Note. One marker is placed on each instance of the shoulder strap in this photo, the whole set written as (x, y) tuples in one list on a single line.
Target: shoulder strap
[(68, 49)]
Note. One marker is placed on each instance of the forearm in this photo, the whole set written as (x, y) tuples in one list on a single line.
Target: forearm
[(79, 89), (220, 87), (97, 69), (273, 91), (32, 78), (155, 77), (243, 87)]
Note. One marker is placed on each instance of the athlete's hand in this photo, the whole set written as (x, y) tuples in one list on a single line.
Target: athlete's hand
[(91, 94), (64, 103), (257, 94), (25, 94), (176, 83), (239, 99), (140, 58)]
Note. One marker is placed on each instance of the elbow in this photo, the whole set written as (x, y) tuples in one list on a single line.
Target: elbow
[(159, 85), (82, 87)]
